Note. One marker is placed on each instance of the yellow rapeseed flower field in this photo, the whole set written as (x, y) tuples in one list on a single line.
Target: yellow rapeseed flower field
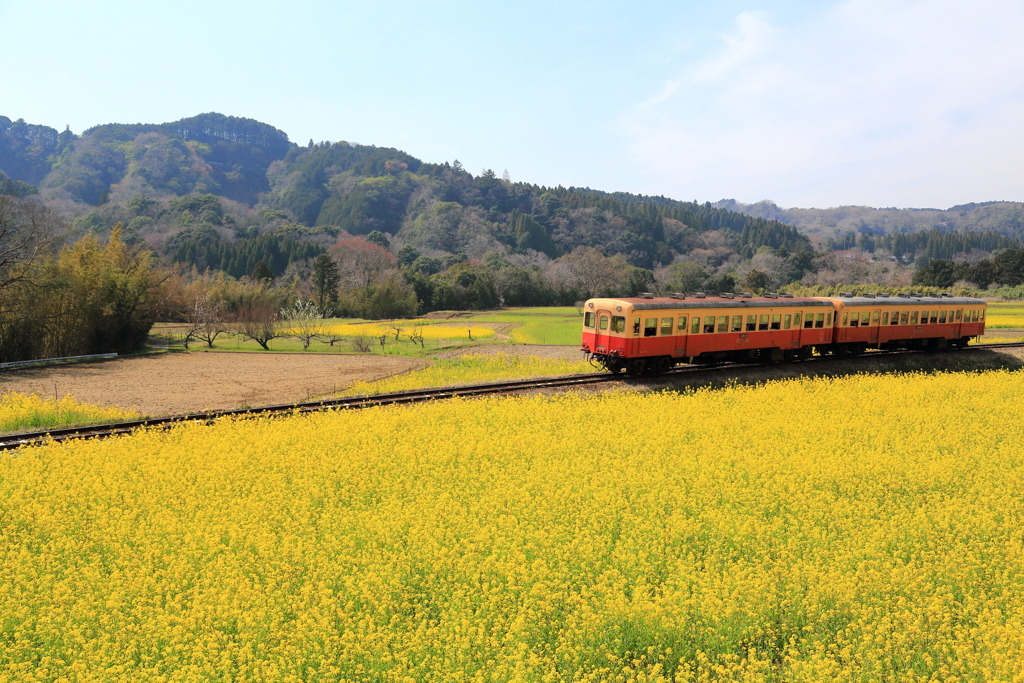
[(472, 368), (1005, 315), (858, 529), (29, 412)]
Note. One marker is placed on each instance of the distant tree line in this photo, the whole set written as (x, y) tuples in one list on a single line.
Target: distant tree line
[(82, 298), (1006, 269)]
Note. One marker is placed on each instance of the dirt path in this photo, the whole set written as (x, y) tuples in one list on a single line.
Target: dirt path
[(174, 383)]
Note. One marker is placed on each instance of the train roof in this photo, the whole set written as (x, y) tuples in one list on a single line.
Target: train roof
[(906, 299), (659, 303), (737, 301)]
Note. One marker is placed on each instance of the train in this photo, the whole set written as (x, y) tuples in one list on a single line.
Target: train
[(649, 334)]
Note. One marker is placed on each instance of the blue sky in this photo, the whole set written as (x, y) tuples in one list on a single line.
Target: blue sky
[(885, 103)]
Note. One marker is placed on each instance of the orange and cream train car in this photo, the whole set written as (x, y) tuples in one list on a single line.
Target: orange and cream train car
[(648, 335)]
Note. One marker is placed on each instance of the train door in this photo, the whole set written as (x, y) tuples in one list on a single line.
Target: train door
[(876, 314), (958, 319), (602, 331), (790, 331), (633, 334)]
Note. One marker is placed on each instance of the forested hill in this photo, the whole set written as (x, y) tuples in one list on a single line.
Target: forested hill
[(210, 153), (847, 226), (252, 181), (225, 192)]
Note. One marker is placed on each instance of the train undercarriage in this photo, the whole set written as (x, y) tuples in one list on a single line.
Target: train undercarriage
[(656, 365)]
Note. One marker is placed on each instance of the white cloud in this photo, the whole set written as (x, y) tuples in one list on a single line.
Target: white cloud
[(887, 103)]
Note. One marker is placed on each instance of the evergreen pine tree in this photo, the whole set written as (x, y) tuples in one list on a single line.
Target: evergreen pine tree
[(262, 272)]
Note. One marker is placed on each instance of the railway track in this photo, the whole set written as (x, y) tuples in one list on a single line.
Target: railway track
[(12, 441)]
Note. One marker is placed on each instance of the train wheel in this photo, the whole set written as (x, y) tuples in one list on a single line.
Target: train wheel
[(635, 367), (660, 366)]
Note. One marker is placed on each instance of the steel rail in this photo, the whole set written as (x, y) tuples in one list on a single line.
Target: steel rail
[(11, 441)]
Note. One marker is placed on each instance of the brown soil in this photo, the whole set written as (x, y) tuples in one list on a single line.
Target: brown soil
[(176, 383)]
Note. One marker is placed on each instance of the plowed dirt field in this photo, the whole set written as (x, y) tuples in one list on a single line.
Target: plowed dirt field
[(176, 383)]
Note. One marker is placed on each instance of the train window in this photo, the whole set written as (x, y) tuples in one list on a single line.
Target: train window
[(913, 317), (935, 317), (682, 324), (650, 327), (959, 312), (904, 317), (874, 317), (709, 325), (636, 327), (666, 326), (695, 327), (796, 319), (942, 316), (885, 318), (588, 319), (787, 322), (846, 316), (723, 323), (828, 320), (809, 321), (762, 323), (618, 323), (604, 322), (981, 315), (974, 316), (737, 324), (751, 323), (819, 320), (854, 319), (777, 321)]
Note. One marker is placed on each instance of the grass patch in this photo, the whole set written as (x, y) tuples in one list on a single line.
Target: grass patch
[(567, 333), (549, 325), (30, 412)]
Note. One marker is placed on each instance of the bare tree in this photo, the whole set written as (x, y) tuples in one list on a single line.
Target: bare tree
[(190, 331), (304, 321), (259, 322), (206, 321), (330, 339), (593, 272), (362, 343), (416, 336), (28, 230), (397, 331)]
